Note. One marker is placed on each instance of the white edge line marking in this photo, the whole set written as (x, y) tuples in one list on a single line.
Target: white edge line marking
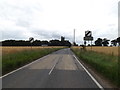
[(21, 68), (52, 69), (89, 74)]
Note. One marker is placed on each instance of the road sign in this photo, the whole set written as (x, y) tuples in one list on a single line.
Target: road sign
[(31, 39), (88, 34), (88, 38)]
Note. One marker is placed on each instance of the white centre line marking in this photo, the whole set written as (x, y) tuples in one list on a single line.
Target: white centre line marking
[(52, 69), (96, 82)]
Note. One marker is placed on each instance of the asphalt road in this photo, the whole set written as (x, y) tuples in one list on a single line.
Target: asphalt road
[(57, 70)]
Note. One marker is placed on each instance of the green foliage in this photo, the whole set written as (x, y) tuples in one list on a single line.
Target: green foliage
[(107, 65), (16, 60)]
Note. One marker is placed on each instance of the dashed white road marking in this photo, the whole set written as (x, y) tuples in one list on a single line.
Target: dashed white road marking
[(52, 69)]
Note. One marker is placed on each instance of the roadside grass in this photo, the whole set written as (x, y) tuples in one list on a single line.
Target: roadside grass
[(15, 60), (107, 65)]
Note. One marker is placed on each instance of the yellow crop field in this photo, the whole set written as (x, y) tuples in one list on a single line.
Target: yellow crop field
[(107, 50), (9, 50)]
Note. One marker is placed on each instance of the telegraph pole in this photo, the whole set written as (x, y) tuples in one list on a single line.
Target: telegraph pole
[(74, 37)]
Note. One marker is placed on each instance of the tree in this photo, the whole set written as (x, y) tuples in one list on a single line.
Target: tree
[(105, 42), (37, 43), (114, 42), (118, 40), (44, 43), (74, 44), (67, 43), (55, 43), (98, 42)]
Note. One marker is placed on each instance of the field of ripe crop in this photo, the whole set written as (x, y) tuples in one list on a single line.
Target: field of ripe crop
[(10, 50), (106, 50), (15, 57)]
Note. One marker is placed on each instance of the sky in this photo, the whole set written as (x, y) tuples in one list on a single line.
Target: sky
[(51, 19)]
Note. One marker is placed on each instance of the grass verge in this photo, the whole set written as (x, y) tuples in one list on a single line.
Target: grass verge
[(107, 65), (15, 60)]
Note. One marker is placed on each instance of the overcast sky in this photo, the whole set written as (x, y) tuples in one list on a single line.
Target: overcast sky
[(50, 19)]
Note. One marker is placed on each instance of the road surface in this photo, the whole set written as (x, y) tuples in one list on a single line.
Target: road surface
[(56, 70)]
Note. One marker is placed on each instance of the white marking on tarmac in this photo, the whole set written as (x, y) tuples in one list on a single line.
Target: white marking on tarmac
[(96, 82), (52, 69)]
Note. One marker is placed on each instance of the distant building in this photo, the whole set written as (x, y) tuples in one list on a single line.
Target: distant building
[(62, 38)]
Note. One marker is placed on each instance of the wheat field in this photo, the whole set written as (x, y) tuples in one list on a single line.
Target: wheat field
[(13, 49), (106, 50)]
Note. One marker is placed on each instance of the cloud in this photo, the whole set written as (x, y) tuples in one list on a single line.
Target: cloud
[(50, 19), (22, 23)]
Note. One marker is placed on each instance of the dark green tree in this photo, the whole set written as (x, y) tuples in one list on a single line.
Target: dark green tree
[(98, 42), (105, 42), (118, 40), (114, 42), (36, 43), (44, 42), (55, 43)]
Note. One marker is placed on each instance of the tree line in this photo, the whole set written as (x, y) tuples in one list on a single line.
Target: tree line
[(36, 43), (98, 42), (116, 41), (105, 42)]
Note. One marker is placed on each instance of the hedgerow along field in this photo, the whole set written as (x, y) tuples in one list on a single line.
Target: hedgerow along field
[(15, 57), (105, 63)]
